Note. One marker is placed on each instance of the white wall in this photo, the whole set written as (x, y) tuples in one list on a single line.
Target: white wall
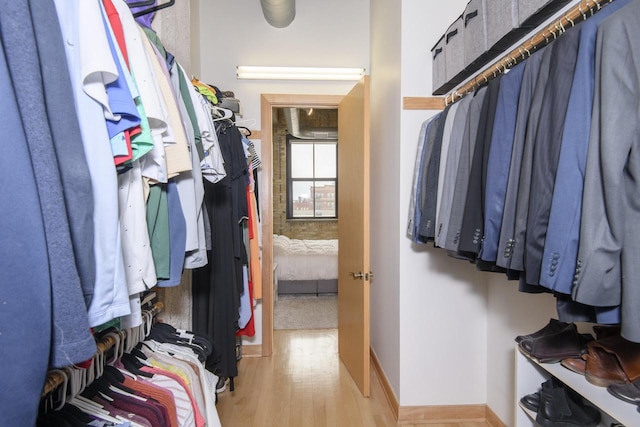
[(466, 320), (385, 186), (443, 302), (511, 313), (234, 32)]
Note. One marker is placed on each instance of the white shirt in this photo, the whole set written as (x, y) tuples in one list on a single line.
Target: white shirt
[(136, 248), (91, 66)]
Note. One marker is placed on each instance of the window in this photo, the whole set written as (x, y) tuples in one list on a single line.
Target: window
[(312, 178)]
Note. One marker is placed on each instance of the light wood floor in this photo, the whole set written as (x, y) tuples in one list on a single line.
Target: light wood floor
[(304, 384)]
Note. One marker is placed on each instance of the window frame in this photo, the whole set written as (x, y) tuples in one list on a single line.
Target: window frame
[(290, 139)]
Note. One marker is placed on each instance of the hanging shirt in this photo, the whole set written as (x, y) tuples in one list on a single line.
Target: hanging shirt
[(121, 94), (153, 163), (91, 67), (175, 146), (139, 268)]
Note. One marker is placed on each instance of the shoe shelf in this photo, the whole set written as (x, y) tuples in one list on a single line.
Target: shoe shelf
[(529, 413), (530, 374)]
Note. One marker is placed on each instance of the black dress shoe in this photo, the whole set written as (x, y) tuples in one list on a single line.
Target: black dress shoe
[(553, 347), (628, 392), (550, 328), (531, 401), (561, 407)]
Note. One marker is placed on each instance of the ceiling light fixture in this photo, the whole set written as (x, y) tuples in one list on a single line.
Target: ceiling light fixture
[(298, 73)]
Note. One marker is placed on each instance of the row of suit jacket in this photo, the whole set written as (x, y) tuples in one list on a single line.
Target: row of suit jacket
[(535, 174)]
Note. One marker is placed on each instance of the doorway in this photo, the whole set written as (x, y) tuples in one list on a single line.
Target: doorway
[(354, 274), (269, 103), (305, 217)]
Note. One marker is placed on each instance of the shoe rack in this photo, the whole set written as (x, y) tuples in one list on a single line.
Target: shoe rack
[(530, 375)]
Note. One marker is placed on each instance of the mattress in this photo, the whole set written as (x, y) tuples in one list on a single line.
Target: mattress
[(305, 259)]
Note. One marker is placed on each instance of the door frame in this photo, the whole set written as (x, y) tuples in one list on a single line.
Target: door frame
[(267, 104)]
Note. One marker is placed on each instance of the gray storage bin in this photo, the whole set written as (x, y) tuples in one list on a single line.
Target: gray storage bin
[(538, 10), (502, 19), (475, 31), (454, 48), (438, 64)]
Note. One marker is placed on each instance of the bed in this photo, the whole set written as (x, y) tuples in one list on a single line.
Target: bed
[(305, 266)]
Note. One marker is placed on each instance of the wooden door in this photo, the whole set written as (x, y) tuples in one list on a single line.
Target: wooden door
[(353, 233)]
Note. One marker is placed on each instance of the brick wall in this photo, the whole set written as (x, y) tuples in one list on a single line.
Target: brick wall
[(297, 229)]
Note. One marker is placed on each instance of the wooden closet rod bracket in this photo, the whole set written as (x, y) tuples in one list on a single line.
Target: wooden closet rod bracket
[(578, 13), (423, 103)]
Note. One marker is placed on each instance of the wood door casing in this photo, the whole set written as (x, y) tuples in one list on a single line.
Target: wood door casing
[(267, 103)]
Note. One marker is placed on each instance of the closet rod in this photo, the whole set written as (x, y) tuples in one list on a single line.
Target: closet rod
[(578, 13), (55, 379)]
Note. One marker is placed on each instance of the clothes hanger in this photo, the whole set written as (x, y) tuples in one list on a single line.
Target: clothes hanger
[(247, 132), (92, 408), (226, 113), (249, 122), (58, 397), (133, 365), (154, 8), (116, 347), (141, 3)]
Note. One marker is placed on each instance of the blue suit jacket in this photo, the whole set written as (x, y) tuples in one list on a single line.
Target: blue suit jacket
[(500, 160), (563, 231)]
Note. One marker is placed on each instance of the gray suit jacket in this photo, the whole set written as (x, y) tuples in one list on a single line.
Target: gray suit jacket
[(608, 263), (446, 142), (472, 228), (420, 153), (426, 229), (464, 167), (451, 170)]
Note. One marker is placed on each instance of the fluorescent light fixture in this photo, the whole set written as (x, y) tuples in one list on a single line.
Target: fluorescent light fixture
[(298, 73)]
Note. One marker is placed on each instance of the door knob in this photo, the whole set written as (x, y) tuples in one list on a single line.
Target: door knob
[(357, 275), (368, 276)]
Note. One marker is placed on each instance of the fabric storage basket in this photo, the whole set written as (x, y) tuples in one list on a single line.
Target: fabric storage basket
[(454, 48), (438, 65), (502, 19), (532, 12), (475, 31)]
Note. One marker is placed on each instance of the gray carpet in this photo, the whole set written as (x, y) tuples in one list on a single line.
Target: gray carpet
[(306, 312)]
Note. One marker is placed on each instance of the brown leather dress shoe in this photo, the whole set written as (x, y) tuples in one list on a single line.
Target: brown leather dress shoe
[(612, 360), (575, 364)]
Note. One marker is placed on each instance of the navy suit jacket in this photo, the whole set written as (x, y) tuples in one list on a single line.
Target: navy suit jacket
[(547, 149)]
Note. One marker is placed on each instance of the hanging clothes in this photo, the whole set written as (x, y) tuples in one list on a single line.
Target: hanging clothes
[(545, 179), (217, 287), (71, 340)]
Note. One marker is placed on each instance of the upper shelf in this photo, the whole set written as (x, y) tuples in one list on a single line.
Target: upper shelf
[(485, 30)]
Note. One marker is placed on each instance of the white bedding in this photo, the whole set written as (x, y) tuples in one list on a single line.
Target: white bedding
[(305, 259)]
